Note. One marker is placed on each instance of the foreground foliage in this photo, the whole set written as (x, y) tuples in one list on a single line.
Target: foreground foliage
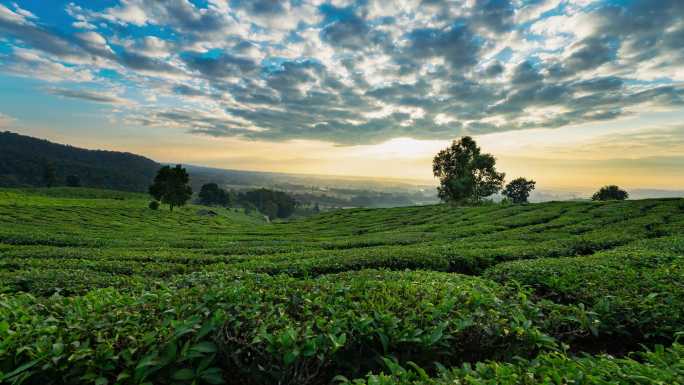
[(660, 366), (97, 288), (263, 329), (636, 291)]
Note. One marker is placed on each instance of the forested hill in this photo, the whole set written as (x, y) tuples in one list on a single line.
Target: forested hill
[(23, 160)]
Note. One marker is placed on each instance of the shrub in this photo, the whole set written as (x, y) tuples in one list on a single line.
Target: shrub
[(635, 291), (256, 329), (611, 192), (660, 366), (154, 205)]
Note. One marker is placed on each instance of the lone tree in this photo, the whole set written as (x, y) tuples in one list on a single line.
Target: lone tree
[(610, 193), (465, 174), (518, 190), (73, 181), (211, 194), (171, 186)]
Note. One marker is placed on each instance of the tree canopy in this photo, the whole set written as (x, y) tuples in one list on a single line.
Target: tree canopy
[(73, 181), (49, 174), (212, 194), (275, 204), (518, 190), (608, 193), (466, 175), (171, 186)]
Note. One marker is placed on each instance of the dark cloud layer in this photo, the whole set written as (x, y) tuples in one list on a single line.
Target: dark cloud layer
[(88, 95)]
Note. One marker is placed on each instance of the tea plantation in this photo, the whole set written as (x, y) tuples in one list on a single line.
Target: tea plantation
[(96, 288)]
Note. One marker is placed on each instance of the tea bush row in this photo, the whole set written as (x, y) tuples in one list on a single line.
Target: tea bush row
[(661, 366), (259, 329), (637, 291)]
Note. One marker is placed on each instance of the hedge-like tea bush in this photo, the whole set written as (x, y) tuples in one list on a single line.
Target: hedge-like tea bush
[(258, 329), (46, 282), (313, 329), (660, 366), (636, 292)]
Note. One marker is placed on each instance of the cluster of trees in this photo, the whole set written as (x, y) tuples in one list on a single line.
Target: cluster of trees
[(274, 204), (171, 186), (211, 194), (50, 177), (466, 175)]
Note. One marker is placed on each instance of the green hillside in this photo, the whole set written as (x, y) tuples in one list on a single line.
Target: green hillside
[(97, 288), (23, 160)]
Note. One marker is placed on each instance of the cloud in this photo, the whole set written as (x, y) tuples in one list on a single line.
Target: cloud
[(14, 23), (36, 65), (526, 73), (89, 95), (358, 71), (127, 12), (494, 15), (344, 28), (222, 67), (6, 121), (145, 64), (457, 45)]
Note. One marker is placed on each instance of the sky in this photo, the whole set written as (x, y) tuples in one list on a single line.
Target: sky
[(571, 93)]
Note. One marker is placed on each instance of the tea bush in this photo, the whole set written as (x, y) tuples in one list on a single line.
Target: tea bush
[(636, 292), (660, 366), (262, 329), (97, 288)]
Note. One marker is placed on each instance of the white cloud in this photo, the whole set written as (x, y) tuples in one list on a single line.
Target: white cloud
[(33, 64), (129, 12), (16, 16), (533, 11), (6, 121)]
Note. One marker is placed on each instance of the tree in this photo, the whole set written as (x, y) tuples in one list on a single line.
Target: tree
[(49, 174), (272, 203), (518, 190), (608, 193), (270, 209), (211, 194), (73, 181), (465, 174), (171, 186)]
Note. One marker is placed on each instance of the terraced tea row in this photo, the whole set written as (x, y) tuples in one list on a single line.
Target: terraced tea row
[(102, 236), (96, 288), (261, 329)]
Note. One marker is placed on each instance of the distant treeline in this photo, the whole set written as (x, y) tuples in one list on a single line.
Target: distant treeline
[(361, 198), (274, 204), (28, 162)]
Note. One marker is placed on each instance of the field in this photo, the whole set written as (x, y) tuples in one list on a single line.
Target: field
[(95, 288)]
